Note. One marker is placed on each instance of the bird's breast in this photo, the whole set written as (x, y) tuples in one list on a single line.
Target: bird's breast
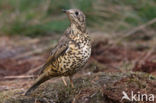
[(81, 50), (79, 53), (76, 56)]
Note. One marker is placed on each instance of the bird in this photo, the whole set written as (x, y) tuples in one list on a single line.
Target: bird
[(70, 54)]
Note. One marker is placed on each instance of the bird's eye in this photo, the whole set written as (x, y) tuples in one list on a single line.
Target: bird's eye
[(76, 13)]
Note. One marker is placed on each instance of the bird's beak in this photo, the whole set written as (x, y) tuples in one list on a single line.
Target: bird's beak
[(63, 10), (67, 11)]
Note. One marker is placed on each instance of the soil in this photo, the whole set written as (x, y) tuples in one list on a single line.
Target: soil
[(115, 66)]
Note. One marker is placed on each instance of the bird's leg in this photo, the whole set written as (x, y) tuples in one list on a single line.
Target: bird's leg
[(71, 81), (64, 81)]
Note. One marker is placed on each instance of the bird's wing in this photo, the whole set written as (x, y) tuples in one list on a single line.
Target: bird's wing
[(57, 51)]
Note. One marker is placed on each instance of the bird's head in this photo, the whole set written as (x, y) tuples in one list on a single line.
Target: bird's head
[(76, 18)]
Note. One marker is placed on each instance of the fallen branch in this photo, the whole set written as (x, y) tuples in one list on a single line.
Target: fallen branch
[(18, 77), (133, 31), (34, 70), (36, 51), (144, 57), (141, 27)]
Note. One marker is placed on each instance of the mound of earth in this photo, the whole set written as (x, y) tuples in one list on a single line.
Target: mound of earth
[(94, 88)]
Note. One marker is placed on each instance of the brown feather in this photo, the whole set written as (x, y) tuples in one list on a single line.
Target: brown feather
[(57, 51)]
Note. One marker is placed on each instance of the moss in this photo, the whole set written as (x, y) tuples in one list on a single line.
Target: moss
[(9, 94), (100, 87)]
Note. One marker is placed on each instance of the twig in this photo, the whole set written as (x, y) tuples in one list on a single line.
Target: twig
[(143, 57), (148, 54), (34, 70), (140, 27), (18, 77), (133, 31), (36, 51)]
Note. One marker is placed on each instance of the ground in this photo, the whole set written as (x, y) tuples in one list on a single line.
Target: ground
[(123, 50), (116, 65)]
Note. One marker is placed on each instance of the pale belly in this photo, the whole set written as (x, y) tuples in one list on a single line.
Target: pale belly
[(74, 59)]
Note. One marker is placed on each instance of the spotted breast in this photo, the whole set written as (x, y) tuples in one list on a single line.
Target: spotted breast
[(76, 55)]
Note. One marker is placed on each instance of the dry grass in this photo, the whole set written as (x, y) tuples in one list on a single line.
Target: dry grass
[(37, 17)]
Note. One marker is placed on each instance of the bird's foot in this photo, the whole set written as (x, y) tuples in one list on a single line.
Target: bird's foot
[(64, 81), (71, 82)]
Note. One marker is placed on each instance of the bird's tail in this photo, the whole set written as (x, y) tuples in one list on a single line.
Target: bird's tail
[(42, 78)]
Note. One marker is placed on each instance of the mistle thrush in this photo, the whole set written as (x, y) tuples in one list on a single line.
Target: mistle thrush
[(70, 54)]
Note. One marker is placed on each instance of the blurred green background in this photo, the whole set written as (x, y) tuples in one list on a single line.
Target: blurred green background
[(44, 17)]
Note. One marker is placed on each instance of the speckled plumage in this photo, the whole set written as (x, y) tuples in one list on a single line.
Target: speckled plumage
[(70, 54)]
